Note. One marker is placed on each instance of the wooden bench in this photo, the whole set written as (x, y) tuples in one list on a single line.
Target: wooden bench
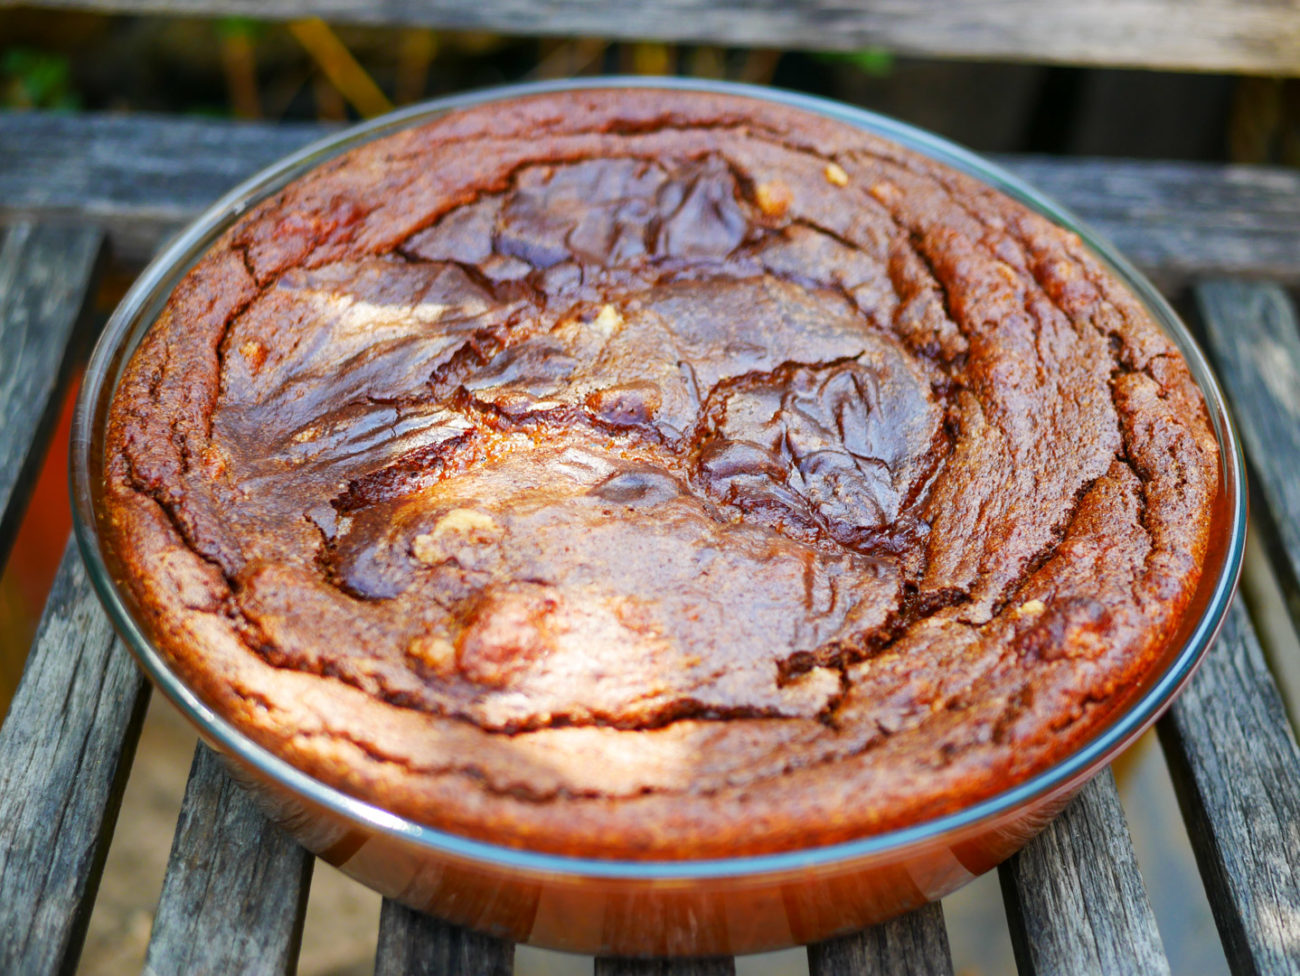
[(236, 888)]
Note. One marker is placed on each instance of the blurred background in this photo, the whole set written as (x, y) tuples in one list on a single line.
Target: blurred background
[(311, 71), (300, 70)]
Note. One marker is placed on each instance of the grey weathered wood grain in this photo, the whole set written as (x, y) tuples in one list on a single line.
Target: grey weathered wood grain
[(1253, 337), (142, 177), (1074, 895), (46, 275), (1209, 35), (235, 893), (1236, 771), (1180, 221), (708, 966), (65, 751), (414, 944), (916, 944)]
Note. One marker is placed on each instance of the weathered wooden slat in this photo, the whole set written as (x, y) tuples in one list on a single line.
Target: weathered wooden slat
[(414, 944), (1253, 337), (1236, 770), (1180, 221), (142, 177), (235, 893), (915, 944), (1208, 35), (65, 751), (139, 177), (46, 274), (708, 966), (1074, 895)]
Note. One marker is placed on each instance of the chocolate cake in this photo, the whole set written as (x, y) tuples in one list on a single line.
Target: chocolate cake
[(657, 474)]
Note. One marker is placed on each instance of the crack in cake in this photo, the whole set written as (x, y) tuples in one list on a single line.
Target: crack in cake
[(657, 474)]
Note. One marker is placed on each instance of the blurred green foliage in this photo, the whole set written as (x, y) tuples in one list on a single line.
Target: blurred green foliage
[(245, 27), (875, 61), (30, 78)]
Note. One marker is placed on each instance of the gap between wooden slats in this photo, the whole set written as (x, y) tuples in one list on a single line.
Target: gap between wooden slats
[(65, 751), (47, 275), (235, 892)]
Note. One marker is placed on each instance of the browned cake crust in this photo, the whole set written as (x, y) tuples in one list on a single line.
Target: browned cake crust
[(654, 474)]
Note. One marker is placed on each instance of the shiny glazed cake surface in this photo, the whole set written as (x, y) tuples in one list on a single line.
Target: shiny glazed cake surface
[(657, 474)]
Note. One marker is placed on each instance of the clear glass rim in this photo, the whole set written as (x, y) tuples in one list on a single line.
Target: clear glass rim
[(144, 300)]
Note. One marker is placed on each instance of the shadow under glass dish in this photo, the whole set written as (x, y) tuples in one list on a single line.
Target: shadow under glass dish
[(714, 906)]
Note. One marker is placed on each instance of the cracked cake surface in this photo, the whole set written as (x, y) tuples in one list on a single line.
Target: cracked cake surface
[(657, 474)]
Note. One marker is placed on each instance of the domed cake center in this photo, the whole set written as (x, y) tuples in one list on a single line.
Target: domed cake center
[(580, 422)]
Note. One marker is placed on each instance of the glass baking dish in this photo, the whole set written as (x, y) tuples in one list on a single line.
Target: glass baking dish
[(724, 905)]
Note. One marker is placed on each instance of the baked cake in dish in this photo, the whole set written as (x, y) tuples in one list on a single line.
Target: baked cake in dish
[(655, 474)]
